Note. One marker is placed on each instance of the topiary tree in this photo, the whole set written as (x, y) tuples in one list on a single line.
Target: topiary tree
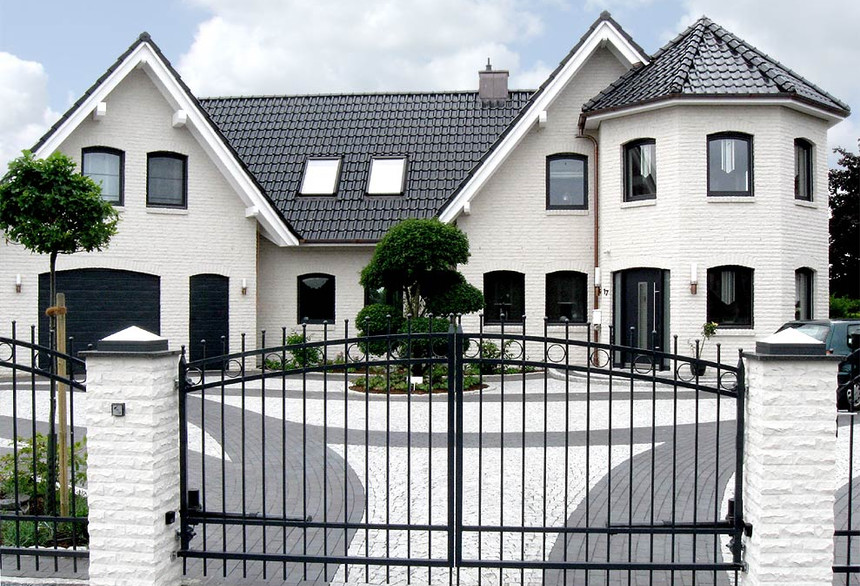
[(50, 208), (419, 257)]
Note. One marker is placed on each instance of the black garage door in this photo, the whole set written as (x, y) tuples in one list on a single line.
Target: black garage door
[(102, 302), (210, 314)]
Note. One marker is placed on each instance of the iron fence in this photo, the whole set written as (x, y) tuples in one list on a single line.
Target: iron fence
[(847, 534), (43, 511), (438, 455)]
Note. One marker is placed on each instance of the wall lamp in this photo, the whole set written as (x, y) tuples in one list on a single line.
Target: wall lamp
[(244, 286), (18, 283), (597, 281), (694, 278)]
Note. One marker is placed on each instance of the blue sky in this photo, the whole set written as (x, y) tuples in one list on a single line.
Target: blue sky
[(51, 51)]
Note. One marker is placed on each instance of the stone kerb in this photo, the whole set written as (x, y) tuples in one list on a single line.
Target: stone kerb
[(789, 461), (132, 460)]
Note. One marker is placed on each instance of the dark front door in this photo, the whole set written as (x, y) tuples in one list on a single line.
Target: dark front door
[(210, 315), (641, 305), (102, 302)]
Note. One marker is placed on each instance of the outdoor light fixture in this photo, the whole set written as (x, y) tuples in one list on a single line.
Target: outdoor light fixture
[(244, 286), (597, 280), (694, 277), (18, 283)]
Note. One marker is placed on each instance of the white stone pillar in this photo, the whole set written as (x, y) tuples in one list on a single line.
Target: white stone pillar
[(132, 461), (789, 462)]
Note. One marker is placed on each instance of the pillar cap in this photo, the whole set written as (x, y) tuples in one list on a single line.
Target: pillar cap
[(791, 342), (132, 339)]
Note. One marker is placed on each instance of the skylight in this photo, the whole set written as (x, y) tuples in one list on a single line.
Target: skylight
[(320, 177), (386, 176)]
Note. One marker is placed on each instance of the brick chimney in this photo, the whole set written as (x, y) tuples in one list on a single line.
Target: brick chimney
[(492, 86)]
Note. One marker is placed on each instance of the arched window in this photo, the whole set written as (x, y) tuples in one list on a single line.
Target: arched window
[(730, 164), (504, 293), (105, 166), (316, 298), (640, 170), (566, 296), (803, 282), (567, 182), (730, 296), (166, 180)]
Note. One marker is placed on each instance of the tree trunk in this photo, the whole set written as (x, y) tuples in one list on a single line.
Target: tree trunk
[(52, 433)]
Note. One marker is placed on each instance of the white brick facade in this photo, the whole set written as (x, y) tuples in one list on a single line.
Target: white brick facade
[(211, 236)]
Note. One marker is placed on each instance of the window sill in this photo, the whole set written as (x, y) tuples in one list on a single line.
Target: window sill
[(639, 203), (168, 211), (806, 204), (734, 332), (731, 199), (566, 212)]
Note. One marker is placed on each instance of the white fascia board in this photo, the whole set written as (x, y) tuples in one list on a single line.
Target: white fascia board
[(592, 122), (604, 35), (146, 59)]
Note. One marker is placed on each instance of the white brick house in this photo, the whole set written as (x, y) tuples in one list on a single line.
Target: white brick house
[(693, 182)]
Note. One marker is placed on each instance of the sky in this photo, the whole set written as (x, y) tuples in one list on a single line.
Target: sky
[(51, 51)]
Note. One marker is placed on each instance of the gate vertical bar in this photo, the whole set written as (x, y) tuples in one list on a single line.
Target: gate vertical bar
[(185, 533), (737, 543), (455, 485)]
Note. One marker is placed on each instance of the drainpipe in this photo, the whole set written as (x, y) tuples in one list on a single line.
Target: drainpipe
[(596, 208)]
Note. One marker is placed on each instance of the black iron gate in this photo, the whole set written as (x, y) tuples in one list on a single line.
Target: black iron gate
[(430, 455)]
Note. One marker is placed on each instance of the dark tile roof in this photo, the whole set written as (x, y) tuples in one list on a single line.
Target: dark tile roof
[(443, 136), (708, 61)]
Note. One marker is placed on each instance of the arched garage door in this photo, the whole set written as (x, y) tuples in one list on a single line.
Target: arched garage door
[(102, 302)]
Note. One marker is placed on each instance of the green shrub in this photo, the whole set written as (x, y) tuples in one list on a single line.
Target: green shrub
[(377, 319), (844, 307)]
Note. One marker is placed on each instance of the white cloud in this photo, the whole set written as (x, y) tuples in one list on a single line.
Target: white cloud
[(289, 47), (817, 41), (25, 114)]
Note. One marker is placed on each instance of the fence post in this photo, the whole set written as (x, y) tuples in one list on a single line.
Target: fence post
[(132, 460), (789, 475)]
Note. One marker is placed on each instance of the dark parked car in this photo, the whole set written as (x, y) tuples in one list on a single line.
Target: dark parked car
[(841, 337)]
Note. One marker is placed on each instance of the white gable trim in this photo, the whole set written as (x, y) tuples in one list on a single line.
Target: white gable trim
[(145, 58), (605, 35), (593, 121)]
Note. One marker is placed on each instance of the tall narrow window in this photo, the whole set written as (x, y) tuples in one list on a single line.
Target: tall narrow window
[(567, 182), (504, 293), (321, 177), (640, 170), (730, 169), (730, 296), (566, 296), (166, 180), (803, 279), (105, 166), (802, 170), (316, 298)]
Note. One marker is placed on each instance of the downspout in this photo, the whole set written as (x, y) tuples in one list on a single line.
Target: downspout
[(596, 208)]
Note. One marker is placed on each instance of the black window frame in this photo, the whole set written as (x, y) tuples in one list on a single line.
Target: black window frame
[(801, 144), (109, 151), (628, 183), (748, 138), (168, 155), (810, 288), (492, 315), (579, 304), (316, 320), (563, 156), (716, 313)]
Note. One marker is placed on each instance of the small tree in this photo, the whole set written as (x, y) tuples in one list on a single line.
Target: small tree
[(50, 208), (420, 257), (845, 225)]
